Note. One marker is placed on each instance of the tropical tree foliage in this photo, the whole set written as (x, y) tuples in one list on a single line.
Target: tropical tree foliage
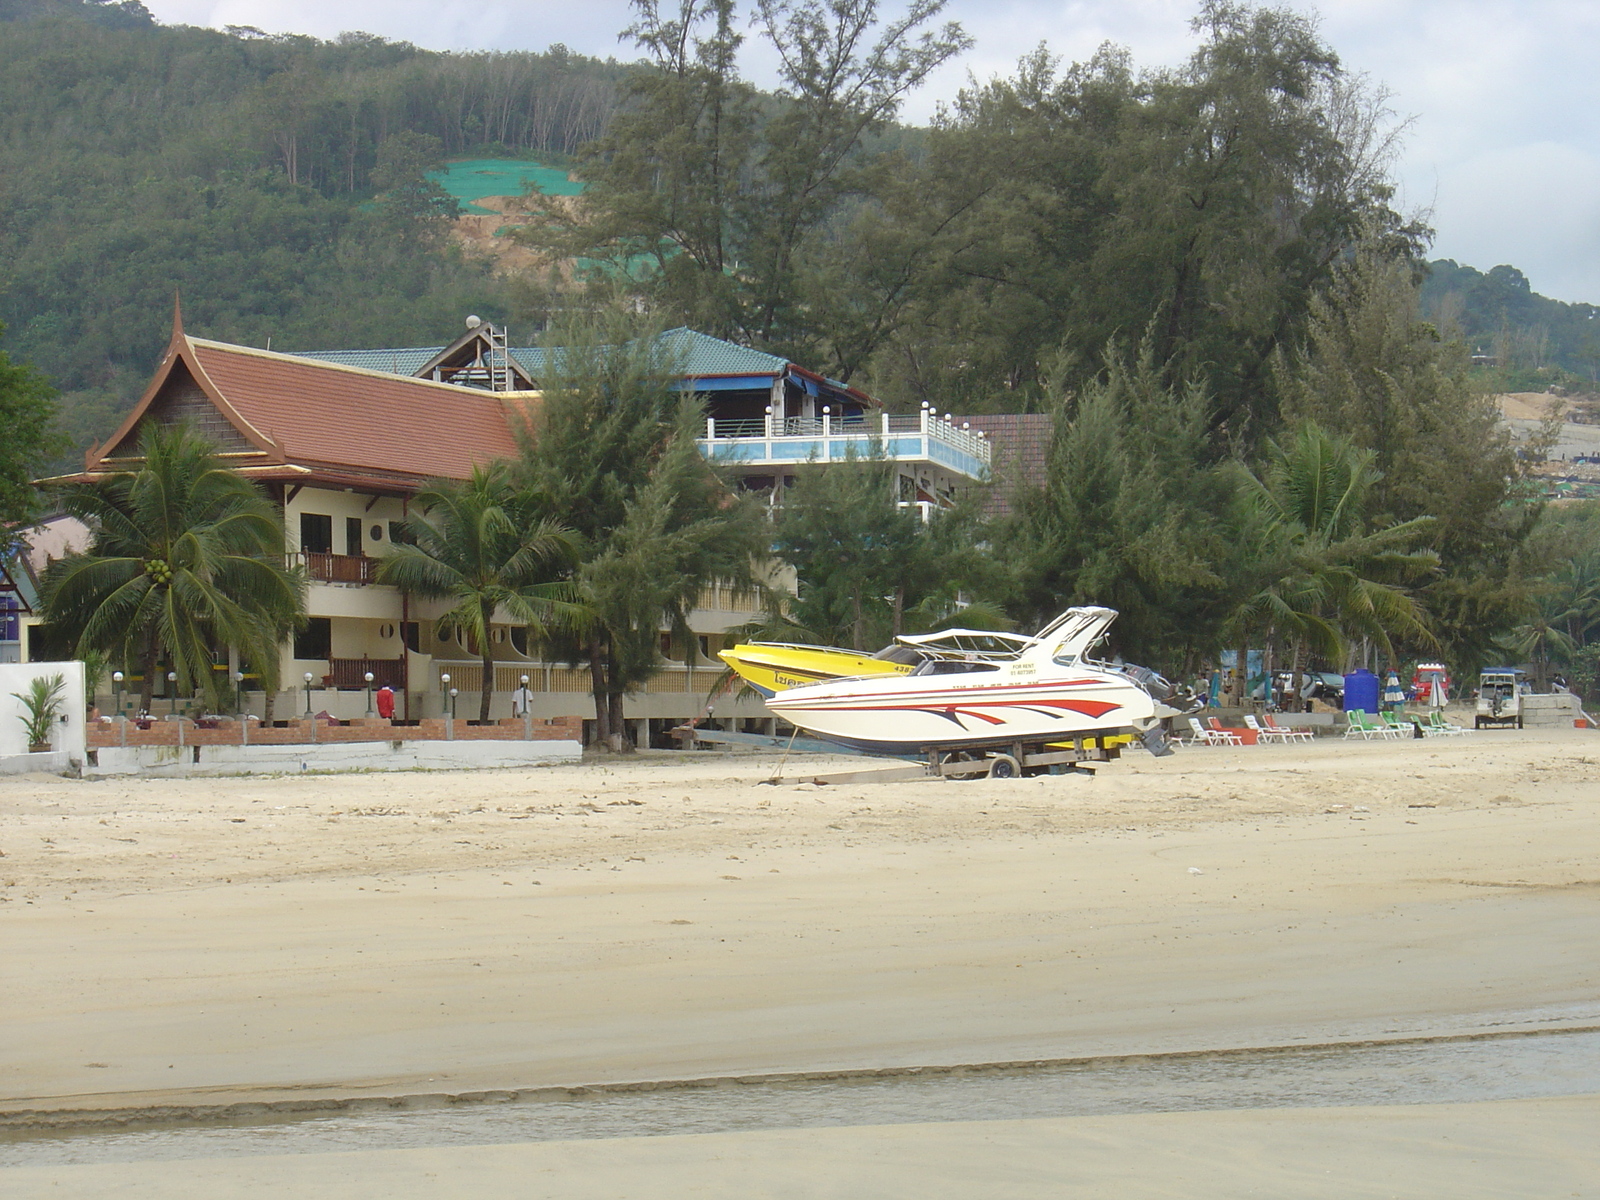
[(27, 406), (187, 560), (1128, 514), (1323, 573), (611, 452), (735, 197), (488, 547), (868, 567), (1371, 371)]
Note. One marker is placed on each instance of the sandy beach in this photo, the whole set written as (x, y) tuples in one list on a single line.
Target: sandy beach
[(196, 943)]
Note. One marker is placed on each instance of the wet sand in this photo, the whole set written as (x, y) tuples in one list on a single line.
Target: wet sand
[(1515, 1148), (183, 943)]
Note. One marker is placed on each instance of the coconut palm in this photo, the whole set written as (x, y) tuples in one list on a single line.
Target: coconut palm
[(481, 543), (187, 555), (1322, 575), (1542, 641)]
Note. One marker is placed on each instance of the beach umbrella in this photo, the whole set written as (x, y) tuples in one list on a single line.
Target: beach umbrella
[(1393, 693)]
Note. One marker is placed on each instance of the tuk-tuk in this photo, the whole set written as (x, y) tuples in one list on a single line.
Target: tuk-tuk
[(1500, 691)]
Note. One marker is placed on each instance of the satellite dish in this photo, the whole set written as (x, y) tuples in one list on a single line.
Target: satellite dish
[(474, 321)]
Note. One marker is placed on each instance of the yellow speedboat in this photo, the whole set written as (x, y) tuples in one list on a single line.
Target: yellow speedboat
[(772, 667)]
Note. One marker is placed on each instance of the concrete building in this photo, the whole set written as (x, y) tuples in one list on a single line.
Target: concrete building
[(342, 441)]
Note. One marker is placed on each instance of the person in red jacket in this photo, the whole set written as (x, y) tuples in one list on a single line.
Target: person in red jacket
[(385, 700)]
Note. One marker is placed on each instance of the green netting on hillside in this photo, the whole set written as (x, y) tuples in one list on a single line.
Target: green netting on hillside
[(480, 177)]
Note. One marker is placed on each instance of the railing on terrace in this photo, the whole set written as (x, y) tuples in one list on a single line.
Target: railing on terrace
[(338, 568), (352, 672), (467, 678), (925, 424)]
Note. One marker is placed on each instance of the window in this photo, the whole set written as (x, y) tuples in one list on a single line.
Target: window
[(352, 536), (316, 535), (376, 533), (411, 635), (398, 534), (316, 639), (519, 639)]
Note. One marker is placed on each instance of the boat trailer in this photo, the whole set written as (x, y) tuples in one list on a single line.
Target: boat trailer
[(1005, 759)]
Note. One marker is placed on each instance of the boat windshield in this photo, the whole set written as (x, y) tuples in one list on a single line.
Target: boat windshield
[(896, 653), (953, 666)]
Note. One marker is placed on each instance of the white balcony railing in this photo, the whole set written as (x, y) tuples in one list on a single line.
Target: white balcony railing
[(920, 436)]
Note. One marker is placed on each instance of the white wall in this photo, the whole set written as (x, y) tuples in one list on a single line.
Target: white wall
[(338, 756), (68, 735)]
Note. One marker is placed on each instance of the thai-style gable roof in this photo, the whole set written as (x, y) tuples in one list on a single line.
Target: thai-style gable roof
[(285, 416)]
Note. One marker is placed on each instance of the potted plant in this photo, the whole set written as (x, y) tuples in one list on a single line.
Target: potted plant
[(43, 701)]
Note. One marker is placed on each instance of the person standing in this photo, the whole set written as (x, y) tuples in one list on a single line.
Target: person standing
[(521, 701)]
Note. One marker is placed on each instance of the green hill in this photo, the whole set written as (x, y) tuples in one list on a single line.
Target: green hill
[(138, 161), (1528, 342)]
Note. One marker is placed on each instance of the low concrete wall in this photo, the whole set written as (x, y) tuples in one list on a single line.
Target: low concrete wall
[(184, 733), (53, 762), (346, 756), (1560, 708)]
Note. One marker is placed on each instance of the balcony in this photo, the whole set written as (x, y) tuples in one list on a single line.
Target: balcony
[(338, 568), (786, 441), (350, 674)]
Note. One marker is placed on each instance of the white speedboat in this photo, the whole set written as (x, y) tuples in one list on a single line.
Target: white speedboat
[(1046, 691)]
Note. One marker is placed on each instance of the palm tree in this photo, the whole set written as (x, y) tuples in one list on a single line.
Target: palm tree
[(479, 543), (187, 555), (1322, 576)]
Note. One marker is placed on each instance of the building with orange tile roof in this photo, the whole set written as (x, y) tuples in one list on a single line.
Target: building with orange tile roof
[(341, 441)]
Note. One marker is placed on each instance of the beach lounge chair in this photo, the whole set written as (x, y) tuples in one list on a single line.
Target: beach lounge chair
[(1439, 727), (1225, 736), (1263, 734), (1362, 726), (1380, 727), (1204, 736), (1289, 735), (1400, 724)]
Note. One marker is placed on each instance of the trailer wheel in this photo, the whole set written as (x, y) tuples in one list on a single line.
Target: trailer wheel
[(1477, 722), (1003, 766), (1519, 722)]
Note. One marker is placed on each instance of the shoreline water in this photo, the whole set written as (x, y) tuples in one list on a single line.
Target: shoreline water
[(25, 1121)]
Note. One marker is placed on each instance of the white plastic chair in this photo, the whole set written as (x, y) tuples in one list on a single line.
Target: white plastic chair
[(1289, 735), (1263, 734)]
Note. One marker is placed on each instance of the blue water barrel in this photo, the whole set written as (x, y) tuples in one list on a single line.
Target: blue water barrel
[(1361, 690)]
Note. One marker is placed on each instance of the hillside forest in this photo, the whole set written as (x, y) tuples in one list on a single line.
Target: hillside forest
[(1196, 270)]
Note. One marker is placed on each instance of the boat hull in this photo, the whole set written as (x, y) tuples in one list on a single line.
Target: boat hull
[(771, 668), (908, 715)]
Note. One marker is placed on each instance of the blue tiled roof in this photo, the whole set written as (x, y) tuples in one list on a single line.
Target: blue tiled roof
[(397, 362), (702, 354), (698, 353)]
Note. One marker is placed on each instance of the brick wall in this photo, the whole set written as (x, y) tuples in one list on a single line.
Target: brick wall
[(105, 734)]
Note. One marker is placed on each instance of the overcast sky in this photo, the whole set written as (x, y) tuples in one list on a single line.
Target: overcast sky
[(1503, 152)]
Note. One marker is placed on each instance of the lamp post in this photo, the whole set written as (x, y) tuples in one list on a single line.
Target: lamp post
[(238, 686), (308, 693), (172, 693), (368, 678), (527, 710), (453, 705), (116, 683)]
